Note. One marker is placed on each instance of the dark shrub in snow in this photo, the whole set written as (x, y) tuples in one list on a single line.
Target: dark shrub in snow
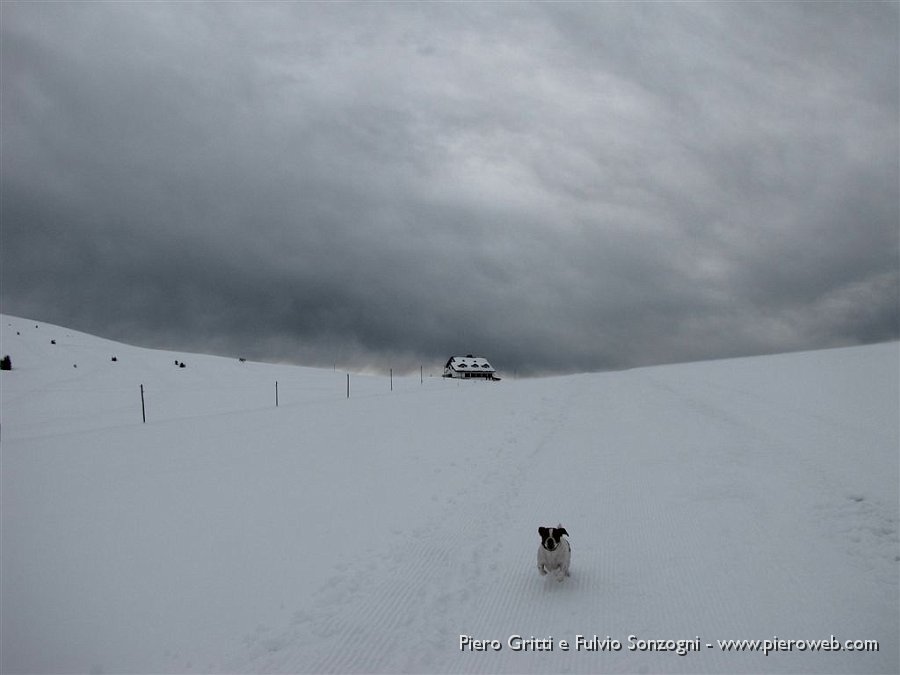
[(6, 363)]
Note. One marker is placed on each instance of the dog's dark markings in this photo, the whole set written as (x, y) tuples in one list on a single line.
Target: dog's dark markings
[(555, 552)]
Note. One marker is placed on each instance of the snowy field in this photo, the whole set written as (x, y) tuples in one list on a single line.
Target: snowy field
[(749, 499)]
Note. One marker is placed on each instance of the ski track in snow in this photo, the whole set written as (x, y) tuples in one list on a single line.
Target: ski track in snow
[(404, 623)]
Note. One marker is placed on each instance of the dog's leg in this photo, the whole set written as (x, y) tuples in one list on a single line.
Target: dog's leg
[(542, 569)]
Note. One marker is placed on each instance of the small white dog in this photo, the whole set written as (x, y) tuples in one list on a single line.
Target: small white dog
[(554, 552)]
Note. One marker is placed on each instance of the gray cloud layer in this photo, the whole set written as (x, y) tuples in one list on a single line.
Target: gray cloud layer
[(559, 187)]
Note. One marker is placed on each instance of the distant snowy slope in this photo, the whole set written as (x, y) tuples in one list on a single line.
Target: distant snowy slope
[(741, 499)]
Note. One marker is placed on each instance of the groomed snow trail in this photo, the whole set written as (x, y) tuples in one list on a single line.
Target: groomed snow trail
[(402, 604)]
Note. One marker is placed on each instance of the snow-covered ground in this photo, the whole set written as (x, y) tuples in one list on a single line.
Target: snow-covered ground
[(742, 499)]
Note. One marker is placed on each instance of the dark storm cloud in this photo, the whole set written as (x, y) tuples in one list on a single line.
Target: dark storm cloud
[(557, 186)]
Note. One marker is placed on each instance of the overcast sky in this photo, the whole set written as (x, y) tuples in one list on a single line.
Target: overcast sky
[(555, 186)]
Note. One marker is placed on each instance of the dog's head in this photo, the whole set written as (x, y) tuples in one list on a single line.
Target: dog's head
[(550, 536)]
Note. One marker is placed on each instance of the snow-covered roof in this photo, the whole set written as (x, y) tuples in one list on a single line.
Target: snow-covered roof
[(470, 364)]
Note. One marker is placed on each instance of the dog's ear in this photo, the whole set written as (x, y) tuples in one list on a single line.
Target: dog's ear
[(562, 531), (543, 531)]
